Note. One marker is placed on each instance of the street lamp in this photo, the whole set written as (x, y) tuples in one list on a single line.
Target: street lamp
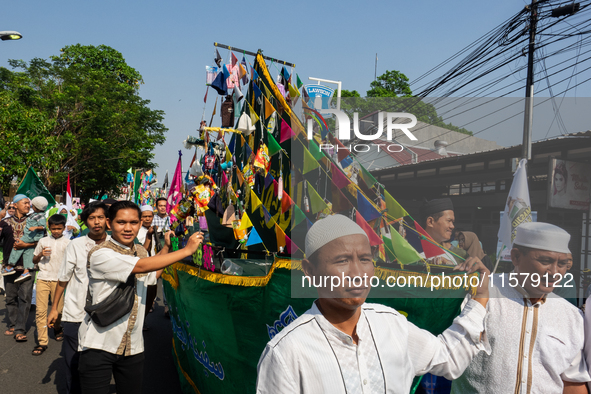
[(10, 35)]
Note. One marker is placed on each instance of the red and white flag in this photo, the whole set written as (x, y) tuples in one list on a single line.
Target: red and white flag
[(174, 193), (69, 195)]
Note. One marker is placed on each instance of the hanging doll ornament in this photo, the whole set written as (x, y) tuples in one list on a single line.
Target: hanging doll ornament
[(198, 256), (262, 159), (208, 258), (280, 181)]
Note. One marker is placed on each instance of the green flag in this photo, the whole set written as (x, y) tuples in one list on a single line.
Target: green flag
[(298, 215), (137, 181), (316, 202), (298, 81), (31, 186), (367, 177), (395, 210), (274, 146), (315, 150), (404, 252), (388, 247), (310, 162)]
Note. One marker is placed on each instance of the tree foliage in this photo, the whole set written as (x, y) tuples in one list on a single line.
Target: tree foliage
[(79, 113), (391, 92)]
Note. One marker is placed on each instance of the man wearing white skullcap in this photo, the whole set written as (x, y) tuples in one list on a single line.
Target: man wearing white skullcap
[(536, 337), (343, 345)]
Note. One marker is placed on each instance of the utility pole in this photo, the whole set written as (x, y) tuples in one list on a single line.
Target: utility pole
[(375, 74), (529, 86)]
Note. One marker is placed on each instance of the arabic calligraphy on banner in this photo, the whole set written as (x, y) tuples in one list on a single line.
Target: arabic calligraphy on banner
[(201, 356), (286, 317)]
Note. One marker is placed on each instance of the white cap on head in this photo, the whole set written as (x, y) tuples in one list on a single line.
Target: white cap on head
[(328, 229), (145, 208), (543, 236), (40, 202)]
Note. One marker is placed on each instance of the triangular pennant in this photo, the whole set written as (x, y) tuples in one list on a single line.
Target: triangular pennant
[(245, 222), (253, 73), (388, 247), (298, 215), (268, 180), (269, 109), (218, 58), (226, 72), (340, 203), (395, 210), (243, 71), (255, 202), (224, 179), (286, 202), (290, 246), (257, 91), (267, 91), (240, 176), (298, 81), (286, 132), (373, 237), (367, 210), (315, 150), (429, 246), (248, 150), (234, 59), (405, 253), (266, 214), (310, 162), (317, 203), (280, 235), (253, 115), (228, 155), (338, 178), (412, 236), (274, 146), (254, 238), (293, 92), (285, 74)]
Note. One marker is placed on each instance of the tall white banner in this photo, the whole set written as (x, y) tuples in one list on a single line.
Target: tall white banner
[(517, 208)]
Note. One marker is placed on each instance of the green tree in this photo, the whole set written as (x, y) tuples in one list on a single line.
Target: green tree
[(391, 92), (84, 105)]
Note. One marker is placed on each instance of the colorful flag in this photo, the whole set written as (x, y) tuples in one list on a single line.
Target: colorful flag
[(243, 72), (253, 74), (430, 247), (269, 109), (298, 215), (395, 210), (255, 202), (245, 222), (371, 234), (286, 202), (234, 59), (338, 178), (309, 162), (298, 81), (31, 186), (366, 208), (254, 238), (218, 58), (280, 236), (317, 203), (274, 146), (340, 202), (404, 252), (315, 150), (286, 132), (174, 194), (69, 195)]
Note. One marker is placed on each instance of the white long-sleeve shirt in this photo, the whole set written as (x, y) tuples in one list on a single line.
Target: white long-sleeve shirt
[(535, 347), (312, 356)]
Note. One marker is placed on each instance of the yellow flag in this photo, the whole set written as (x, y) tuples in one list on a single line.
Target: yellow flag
[(267, 92), (293, 92), (280, 236), (228, 154), (254, 200), (253, 115), (269, 109), (245, 222)]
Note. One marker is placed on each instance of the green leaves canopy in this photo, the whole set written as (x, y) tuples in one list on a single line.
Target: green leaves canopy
[(79, 113)]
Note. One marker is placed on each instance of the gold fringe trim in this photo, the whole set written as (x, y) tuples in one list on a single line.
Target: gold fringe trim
[(423, 279), (214, 277), (186, 375)]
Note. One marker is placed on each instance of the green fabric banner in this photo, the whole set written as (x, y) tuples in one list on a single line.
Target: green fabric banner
[(31, 186), (221, 323)]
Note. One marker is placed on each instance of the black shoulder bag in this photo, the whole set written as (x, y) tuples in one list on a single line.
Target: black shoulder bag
[(118, 304)]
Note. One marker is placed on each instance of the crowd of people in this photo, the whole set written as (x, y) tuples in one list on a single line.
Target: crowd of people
[(77, 267), (98, 269)]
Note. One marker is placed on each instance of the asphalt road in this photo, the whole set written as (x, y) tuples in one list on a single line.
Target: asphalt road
[(23, 373)]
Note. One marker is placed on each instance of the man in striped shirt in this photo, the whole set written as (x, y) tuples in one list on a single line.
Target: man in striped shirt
[(343, 345)]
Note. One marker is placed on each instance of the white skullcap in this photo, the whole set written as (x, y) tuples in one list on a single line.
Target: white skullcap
[(145, 208), (329, 229), (40, 202), (543, 236)]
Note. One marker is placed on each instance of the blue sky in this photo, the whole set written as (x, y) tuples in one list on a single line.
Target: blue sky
[(170, 43)]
